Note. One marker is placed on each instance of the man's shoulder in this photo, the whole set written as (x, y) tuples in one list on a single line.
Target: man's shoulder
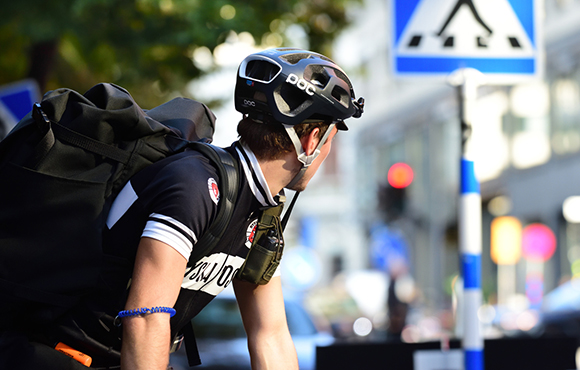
[(186, 166)]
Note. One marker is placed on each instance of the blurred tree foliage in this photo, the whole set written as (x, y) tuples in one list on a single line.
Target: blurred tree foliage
[(143, 45)]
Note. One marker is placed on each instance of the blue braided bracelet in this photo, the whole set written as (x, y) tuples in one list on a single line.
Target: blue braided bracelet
[(144, 310)]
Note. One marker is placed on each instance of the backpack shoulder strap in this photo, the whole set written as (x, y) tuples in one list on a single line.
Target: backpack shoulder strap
[(228, 169)]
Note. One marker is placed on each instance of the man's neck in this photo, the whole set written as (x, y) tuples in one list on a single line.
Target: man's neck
[(279, 172)]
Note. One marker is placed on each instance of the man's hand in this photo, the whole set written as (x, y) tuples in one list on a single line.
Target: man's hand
[(264, 317)]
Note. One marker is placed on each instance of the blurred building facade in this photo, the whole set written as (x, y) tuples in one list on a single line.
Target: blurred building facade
[(527, 160)]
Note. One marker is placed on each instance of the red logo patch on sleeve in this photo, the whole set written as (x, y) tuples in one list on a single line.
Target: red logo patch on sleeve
[(214, 191)]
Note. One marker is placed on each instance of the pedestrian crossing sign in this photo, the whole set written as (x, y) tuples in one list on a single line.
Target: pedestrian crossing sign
[(16, 99), (499, 38)]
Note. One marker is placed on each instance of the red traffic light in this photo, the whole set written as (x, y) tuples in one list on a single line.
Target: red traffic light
[(400, 175)]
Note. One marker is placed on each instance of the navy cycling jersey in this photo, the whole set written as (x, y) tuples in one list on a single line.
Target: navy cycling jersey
[(175, 201)]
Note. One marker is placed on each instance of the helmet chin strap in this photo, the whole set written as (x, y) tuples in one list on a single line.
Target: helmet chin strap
[(306, 160)]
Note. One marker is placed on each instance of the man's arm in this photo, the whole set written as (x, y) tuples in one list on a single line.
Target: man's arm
[(264, 317), (156, 282)]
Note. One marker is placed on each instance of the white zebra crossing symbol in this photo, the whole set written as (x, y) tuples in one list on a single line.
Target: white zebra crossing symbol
[(460, 27)]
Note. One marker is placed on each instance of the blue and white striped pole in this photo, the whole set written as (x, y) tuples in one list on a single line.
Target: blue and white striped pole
[(470, 249), (470, 227)]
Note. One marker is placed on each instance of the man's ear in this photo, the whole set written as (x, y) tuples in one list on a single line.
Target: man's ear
[(310, 141)]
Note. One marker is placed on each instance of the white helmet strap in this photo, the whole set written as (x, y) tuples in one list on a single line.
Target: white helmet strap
[(306, 160)]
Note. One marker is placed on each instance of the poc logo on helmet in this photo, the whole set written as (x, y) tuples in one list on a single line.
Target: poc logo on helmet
[(300, 83), (250, 103)]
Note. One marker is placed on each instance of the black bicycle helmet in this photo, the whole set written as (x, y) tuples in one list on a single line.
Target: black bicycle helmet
[(294, 85)]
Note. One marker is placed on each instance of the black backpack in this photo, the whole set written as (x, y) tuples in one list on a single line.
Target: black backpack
[(60, 170)]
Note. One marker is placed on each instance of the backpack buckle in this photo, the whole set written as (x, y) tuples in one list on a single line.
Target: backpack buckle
[(39, 116)]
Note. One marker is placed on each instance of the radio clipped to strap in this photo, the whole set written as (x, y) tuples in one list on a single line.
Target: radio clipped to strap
[(267, 247)]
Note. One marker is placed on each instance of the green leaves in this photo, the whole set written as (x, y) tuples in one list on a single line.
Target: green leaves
[(147, 45)]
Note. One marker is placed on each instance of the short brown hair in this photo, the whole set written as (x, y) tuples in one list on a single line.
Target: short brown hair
[(269, 140)]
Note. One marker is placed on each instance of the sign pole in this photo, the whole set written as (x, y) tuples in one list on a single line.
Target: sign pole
[(500, 39), (467, 81)]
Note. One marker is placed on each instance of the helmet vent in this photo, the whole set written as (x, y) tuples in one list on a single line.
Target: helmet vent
[(316, 75), (261, 70), (290, 100), (340, 74), (296, 57), (342, 96)]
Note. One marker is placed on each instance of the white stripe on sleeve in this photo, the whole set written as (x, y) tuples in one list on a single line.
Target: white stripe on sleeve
[(171, 232)]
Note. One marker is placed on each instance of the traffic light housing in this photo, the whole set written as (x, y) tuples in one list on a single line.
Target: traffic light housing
[(392, 202), (393, 194)]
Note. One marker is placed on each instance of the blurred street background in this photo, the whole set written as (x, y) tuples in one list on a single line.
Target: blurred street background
[(372, 250)]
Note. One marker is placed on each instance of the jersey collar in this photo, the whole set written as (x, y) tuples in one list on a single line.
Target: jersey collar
[(254, 175)]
